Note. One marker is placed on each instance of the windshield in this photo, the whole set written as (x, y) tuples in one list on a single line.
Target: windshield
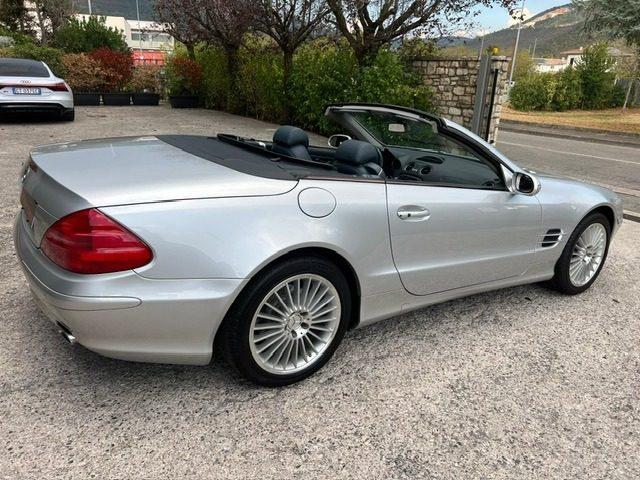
[(18, 67)]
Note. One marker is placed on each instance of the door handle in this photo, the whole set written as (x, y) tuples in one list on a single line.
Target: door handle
[(413, 213)]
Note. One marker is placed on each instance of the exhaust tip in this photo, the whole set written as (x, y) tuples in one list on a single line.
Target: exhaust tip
[(66, 333)]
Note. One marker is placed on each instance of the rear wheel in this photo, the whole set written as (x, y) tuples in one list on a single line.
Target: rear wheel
[(288, 322), (584, 255), (69, 115)]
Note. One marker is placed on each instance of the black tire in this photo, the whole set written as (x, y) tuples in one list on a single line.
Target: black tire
[(234, 337), (561, 281), (69, 115)]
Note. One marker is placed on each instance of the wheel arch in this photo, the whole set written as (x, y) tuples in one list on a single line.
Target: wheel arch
[(605, 210), (323, 252)]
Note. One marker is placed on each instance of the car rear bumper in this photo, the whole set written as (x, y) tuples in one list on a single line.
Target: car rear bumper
[(60, 101), (125, 316)]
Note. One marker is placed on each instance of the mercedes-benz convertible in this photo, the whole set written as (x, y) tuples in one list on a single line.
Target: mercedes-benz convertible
[(165, 248)]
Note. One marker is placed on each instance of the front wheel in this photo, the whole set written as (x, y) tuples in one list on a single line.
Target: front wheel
[(584, 255), (288, 322)]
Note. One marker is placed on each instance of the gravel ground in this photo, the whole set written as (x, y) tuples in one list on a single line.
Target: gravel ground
[(519, 383)]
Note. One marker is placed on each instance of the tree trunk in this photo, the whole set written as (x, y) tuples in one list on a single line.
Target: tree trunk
[(191, 50), (231, 54), (626, 98), (286, 84), (367, 52)]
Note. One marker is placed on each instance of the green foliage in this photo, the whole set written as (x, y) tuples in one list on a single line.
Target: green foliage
[(86, 35), (591, 85), (324, 72), (616, 18), (17, 37), (568, 91), (596, 70), (534, 92), (524, 65), (50, 56)]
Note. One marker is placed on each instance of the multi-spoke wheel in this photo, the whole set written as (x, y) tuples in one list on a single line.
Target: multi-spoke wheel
[(288, 322), (583, 256)]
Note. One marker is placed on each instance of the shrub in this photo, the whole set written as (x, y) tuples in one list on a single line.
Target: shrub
[(86, 35), (568, 91), (535, 92), (324, 72), (184, 76), (145, 78), (84, 73), (596, 70), (117, 68), (48, 55)]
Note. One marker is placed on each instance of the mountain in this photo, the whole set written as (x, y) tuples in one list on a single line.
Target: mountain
[(553, 31), (118, 8)]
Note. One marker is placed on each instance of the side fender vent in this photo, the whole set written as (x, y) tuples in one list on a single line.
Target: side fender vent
[(552, 238)]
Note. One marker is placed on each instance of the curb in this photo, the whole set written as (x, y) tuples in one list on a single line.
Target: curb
[(571, 133), (631, 216)]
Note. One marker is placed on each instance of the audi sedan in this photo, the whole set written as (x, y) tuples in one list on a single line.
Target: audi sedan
[(30, 86), (165, 248)]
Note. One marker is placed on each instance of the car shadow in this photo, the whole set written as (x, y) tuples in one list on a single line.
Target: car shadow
[(29, 117), (123, 378)]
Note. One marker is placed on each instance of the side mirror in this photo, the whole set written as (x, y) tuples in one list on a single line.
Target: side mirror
[(520, 182), (336, 140)]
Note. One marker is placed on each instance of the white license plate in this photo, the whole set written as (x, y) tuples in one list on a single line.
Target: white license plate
[(26, 91)]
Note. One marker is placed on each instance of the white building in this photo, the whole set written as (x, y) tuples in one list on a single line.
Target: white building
[(549, 65)]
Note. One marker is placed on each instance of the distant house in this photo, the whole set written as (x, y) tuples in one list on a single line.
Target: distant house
[(549, 65), (573, 57)]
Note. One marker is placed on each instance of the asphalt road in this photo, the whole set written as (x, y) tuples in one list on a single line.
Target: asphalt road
[(516, 384), (616, 167)]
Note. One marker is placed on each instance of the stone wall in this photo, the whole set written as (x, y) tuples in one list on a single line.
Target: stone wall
[(454, 82)]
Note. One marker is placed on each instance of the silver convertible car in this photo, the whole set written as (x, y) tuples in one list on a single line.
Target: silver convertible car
[(167, 248)]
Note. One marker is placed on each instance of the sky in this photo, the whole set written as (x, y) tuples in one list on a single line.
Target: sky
[(497, 18)]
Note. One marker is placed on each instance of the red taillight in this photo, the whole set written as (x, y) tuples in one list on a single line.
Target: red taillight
[(58, 87), (90, 242)]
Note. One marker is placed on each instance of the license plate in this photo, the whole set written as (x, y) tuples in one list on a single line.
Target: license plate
[(26, 91)]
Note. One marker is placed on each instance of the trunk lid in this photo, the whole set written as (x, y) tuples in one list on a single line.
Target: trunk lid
[(63, 178)]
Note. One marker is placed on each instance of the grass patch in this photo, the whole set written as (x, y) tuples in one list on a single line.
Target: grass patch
[(614, 119)]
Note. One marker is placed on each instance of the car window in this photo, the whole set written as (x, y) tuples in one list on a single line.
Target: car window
[(422, 153), (17, 67)]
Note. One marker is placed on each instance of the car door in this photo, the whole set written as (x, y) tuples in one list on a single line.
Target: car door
[(452, 221)]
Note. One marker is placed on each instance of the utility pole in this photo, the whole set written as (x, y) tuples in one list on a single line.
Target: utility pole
[(139, 31), (481, 48), (89, 1), (515, 50), (535, 45)]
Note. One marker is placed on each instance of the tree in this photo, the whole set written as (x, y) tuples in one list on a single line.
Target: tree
[(618, 19), (596, 71), (13, 15), (368, 25), (524, 65), (170, 16), (86, 35), (289, 23), (50, 16), (219, 22)]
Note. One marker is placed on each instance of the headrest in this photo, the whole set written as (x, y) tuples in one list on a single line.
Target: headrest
[(356, 152), (290, 136)]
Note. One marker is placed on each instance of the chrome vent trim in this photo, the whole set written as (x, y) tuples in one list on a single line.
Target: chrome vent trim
[(552, 238)]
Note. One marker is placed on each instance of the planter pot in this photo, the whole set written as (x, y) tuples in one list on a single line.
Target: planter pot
[(149, 99), (86, 99), (116, 99), (184, 101)]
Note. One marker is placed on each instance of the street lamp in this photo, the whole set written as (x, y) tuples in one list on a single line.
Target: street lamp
[(89, 2), (515, 50)]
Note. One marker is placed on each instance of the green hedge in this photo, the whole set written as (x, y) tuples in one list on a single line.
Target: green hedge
[(591, 85), (325, 72)]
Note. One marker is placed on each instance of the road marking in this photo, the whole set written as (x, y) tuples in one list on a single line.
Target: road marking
[(570, 153)]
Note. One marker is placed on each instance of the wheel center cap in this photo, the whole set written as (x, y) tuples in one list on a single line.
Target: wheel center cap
[(294, 321)]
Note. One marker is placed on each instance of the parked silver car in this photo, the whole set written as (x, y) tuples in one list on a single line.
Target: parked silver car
[(159, 248), (31, 86)]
